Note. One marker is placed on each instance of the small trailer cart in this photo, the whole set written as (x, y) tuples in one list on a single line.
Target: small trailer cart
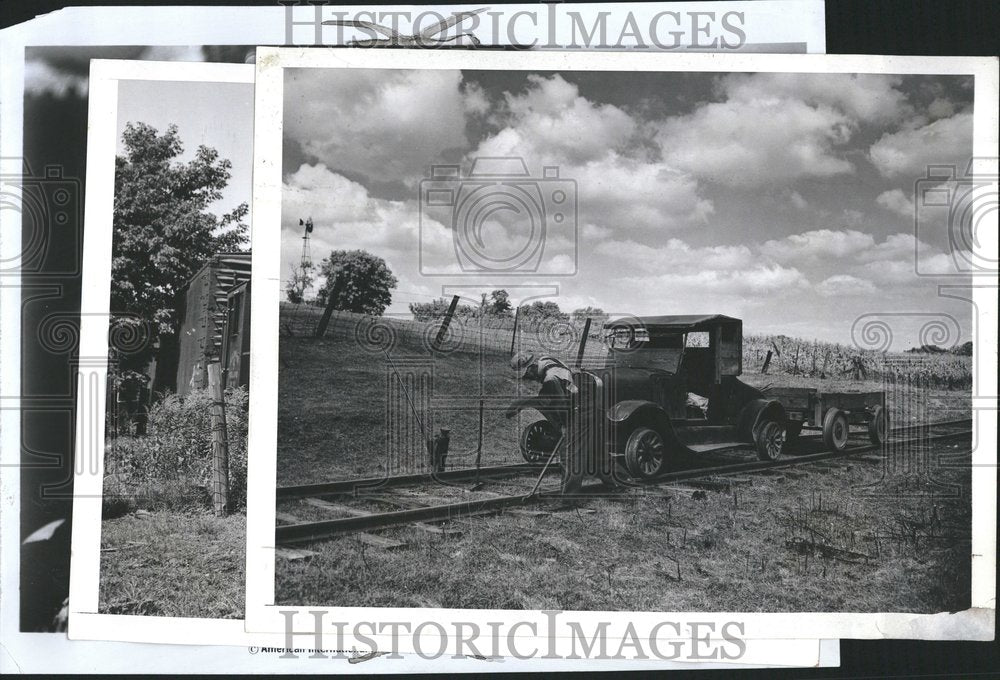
[(832, 412)]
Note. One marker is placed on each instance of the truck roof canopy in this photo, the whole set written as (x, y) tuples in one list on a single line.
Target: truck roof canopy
[(680, 324)]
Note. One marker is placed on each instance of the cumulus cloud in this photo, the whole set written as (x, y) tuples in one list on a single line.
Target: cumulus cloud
[(676, 255), (758, 280), (551, 124), (390, 126), (757, 142), (841, 285), (861, 97), (907, 153), (778, 127), (819, 243), (553, 120), (896, 201)]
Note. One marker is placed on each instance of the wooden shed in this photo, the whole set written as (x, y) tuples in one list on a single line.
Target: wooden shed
[(214, 313)]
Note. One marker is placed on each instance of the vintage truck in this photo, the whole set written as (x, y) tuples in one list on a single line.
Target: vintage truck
[(657, 369)]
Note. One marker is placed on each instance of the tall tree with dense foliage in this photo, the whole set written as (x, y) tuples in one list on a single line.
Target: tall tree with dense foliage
[(500, 303), (164, 230), (361, 282)]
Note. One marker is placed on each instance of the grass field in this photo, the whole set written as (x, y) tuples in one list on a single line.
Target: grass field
[(165, 563), (838, 537), (808, 541)]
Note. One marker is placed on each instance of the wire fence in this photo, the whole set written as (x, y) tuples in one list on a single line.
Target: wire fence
[(561, 338)]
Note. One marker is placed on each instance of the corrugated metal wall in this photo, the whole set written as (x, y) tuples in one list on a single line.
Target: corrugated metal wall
[(203, 316)]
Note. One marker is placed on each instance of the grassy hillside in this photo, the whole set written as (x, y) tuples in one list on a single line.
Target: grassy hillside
[(342, 413)]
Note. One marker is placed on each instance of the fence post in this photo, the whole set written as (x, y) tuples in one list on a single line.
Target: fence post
[(220, 445), (443, 331), (583, 343), (331, 300), (767, 362), (513, 335)]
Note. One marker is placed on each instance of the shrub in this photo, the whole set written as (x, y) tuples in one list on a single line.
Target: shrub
[(171, 467)]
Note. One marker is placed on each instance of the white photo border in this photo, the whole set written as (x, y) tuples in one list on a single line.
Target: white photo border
[(84, 620)]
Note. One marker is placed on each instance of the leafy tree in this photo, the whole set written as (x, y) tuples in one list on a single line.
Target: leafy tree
[(537, 312), (496, 305), (963, 350), (597, 315), (163, 232), (500, 303), (300, 282), (437, 308), (364, 282)]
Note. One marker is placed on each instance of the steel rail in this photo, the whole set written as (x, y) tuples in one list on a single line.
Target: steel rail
[(346, 486), (313, 531)]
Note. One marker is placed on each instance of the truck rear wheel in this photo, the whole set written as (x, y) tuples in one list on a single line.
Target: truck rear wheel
[(835, 430), (769, 440)]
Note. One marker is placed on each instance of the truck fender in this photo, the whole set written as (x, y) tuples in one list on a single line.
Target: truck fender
[(648, 413), (538, 403), (757, 411)]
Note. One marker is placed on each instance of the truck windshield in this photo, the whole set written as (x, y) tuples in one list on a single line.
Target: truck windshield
[(641, 348)]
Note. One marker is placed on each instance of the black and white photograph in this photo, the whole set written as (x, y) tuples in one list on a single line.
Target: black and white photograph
[(647, 339), (462, 338), (168, 534)]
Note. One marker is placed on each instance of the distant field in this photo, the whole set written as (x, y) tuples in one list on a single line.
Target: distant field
[(789, 356), (342, 414)]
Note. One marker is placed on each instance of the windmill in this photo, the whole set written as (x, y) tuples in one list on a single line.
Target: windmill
[(306, 262), (302, 277)]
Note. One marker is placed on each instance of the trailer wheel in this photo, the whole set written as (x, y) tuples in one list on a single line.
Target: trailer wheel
[(645, 453), (769, 440), (835, 430), (878, 426), (538, 440)]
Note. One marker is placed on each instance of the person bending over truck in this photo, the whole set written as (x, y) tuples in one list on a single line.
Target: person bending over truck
[(582, 440)]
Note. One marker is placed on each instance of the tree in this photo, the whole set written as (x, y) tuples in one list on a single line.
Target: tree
[(597, 315), (537, 312), (500, 303), (163, 232), (302, 279), (964, 350), (364, 282)]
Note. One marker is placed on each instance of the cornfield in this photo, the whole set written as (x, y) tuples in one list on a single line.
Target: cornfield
[(771, 354)]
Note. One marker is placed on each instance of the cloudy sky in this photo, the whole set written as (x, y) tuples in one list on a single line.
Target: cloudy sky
[(783, 199)]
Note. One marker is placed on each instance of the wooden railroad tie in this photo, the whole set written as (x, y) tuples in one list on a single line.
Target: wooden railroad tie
[(523, 512), (379, 541), (335, 507), (437, 530), (286, 518), (294, 554)]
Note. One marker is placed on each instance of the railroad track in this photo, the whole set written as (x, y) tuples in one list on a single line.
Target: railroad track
[(294, 531)]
